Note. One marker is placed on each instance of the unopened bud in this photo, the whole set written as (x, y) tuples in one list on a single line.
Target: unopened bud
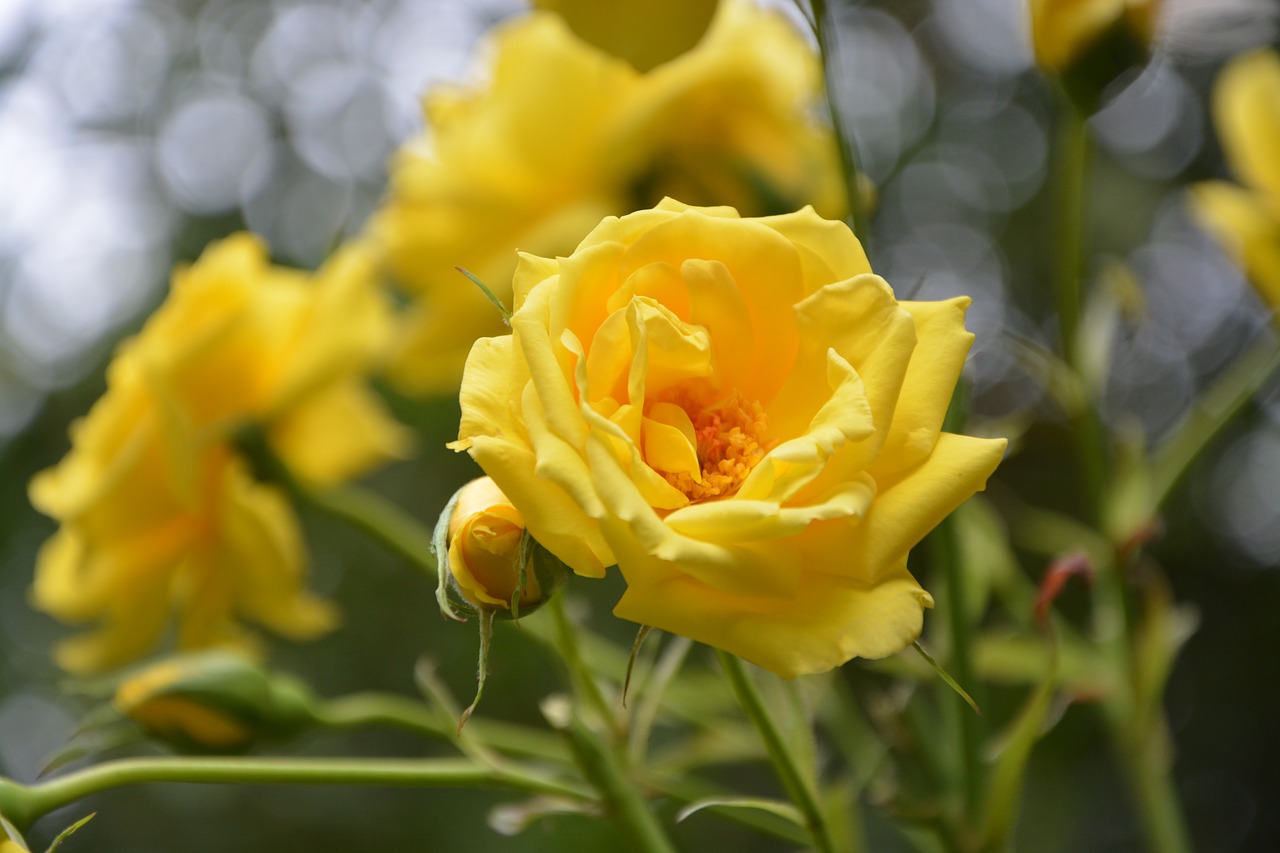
[(488, 559), (213, 702)]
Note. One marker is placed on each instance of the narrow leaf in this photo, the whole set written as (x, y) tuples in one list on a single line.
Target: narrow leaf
[(66, 833), (14, 836), (786, 811), (946, 677), (488, 294), (631, 659)]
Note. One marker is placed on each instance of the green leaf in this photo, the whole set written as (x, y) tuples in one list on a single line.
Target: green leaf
[(440, 548), (488, 294), (946, 677), (779, 808), (66, 833), (1005, 787), (14, 836)]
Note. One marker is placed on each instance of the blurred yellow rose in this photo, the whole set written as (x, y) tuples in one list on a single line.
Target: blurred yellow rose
[(1246, 219), (563, 134), (742, 417), (160, 519), (1062, 31)]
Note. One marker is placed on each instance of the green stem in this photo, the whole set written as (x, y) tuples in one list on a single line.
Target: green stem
[(1069, 179), (947, 552), (36, 800), (622, 800), (584, 684), (972, 735), (825, 29), (388, 709), (650, 700), (1216, 408), (1146, 763), (785, 764)]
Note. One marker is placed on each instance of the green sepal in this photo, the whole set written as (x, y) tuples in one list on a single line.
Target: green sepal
[(444, 577)]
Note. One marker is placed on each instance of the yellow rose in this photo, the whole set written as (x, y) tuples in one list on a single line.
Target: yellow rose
[(159, 517), (1062, 31), (563, 134), (1246, 219), (741, 416)]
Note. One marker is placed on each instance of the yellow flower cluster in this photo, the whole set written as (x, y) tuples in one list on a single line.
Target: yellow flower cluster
[(563, 134), (160, 517), (740, 415), (1246, 218)]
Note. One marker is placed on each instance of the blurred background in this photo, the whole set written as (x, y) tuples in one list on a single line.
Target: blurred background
[(132, 133)]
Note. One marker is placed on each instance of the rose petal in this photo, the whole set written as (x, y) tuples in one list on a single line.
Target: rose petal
[(829, 620)]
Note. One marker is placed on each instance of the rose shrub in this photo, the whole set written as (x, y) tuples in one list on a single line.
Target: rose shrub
[(741, 416)]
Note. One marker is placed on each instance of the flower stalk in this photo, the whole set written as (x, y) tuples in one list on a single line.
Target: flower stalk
[(622, 801), (785, 762), (25, 804), (825, 30)]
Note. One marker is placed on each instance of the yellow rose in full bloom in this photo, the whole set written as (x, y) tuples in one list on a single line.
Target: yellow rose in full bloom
[(160, 518), (1246, 219), (1064, 30), (742, 417), (562, 134)]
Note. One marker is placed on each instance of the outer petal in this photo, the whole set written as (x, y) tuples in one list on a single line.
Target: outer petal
[(830, 619), (942, 344), (906, 509), (829, 251)]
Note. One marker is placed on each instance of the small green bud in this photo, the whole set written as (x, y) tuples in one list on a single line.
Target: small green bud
[(213, 702)]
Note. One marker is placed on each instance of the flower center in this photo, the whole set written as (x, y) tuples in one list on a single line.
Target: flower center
[(730, 436)]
